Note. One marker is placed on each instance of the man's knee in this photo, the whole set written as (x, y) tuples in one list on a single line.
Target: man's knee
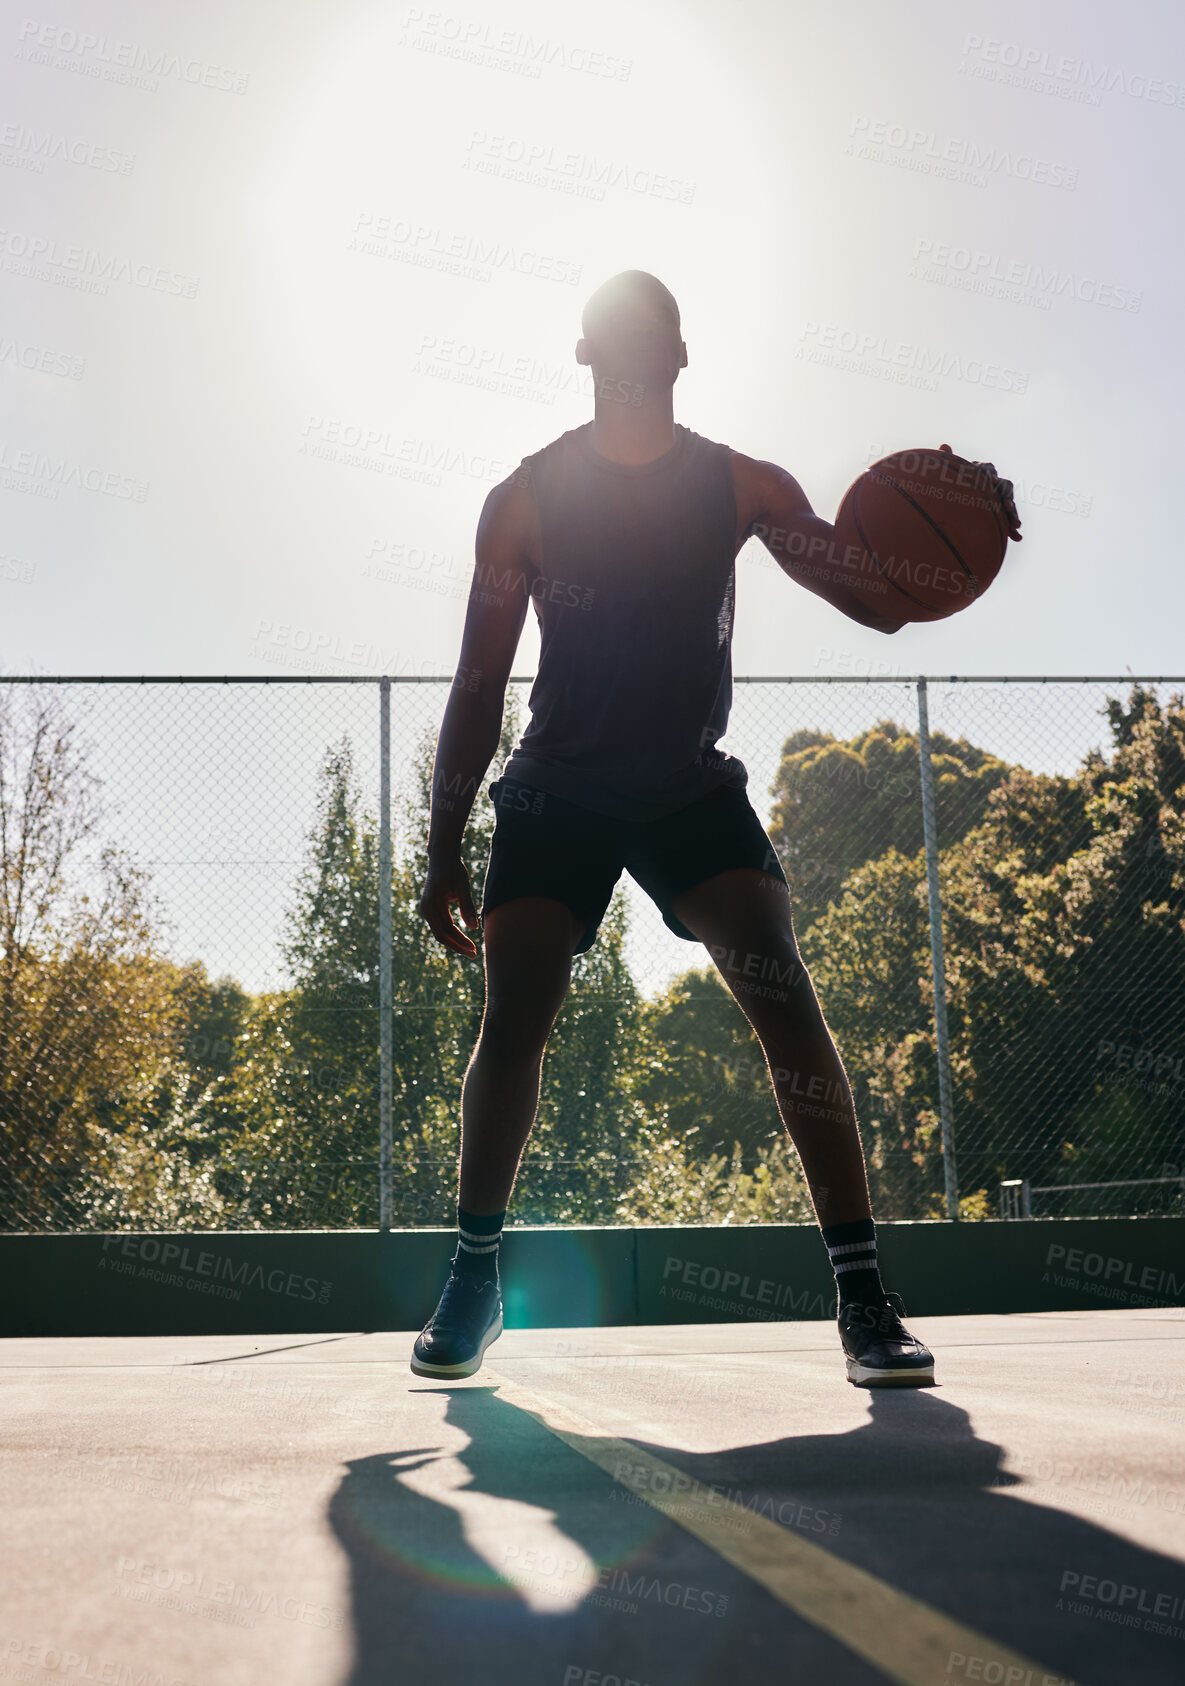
[(516, 1030)]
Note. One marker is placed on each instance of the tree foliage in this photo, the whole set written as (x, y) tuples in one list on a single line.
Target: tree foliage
[(87, 1020), (1064, 920), (838, 804), (135, 1090)]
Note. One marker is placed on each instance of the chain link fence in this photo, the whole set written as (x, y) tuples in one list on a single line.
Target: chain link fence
[(219, 1007)]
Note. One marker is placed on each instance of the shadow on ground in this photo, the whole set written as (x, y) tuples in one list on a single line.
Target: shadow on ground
[(615, 1588)]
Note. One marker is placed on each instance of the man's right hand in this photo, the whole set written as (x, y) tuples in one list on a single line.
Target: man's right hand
[(448, 882)]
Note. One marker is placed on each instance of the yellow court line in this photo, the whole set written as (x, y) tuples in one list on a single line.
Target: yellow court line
[(906, 1640)]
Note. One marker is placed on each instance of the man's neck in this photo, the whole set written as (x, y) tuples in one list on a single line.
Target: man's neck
[(631, 434)]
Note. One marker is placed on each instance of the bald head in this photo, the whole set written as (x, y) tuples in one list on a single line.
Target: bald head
[(631, 331), (630, 288)]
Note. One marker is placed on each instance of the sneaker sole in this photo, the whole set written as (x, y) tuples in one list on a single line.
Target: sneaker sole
[(862, 1375), (471, 1365)]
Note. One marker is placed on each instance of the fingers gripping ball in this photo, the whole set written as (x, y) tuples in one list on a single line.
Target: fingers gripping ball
[(929, 529)]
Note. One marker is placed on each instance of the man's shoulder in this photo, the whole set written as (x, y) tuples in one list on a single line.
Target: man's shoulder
[(745, 469), (742, 463), (556, 445), (531, 468), (750, 482)]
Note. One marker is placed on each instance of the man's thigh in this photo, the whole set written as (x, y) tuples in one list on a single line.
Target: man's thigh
[(718, 834), (528, 944), (743, 919), (544, 846)]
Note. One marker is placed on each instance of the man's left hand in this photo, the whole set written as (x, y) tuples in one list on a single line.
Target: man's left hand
[(1003, 490)]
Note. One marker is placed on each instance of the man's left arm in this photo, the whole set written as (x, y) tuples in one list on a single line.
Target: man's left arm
[(802, 544), (806, 547)]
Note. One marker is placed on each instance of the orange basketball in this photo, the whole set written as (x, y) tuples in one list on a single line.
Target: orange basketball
[(924, 532)]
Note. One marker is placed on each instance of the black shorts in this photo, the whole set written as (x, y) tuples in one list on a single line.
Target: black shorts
[(546, 846)]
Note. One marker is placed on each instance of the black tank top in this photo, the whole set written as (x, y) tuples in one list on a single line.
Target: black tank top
[(636, 602)]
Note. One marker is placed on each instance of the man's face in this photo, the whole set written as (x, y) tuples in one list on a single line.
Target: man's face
[(636, 337)]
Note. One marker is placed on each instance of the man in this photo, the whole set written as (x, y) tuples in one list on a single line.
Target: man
[(623, 534)]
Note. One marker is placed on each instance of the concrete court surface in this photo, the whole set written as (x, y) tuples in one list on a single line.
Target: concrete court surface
[(222, 1509)]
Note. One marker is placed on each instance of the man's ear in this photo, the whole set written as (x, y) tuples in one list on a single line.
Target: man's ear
[(582, 351)]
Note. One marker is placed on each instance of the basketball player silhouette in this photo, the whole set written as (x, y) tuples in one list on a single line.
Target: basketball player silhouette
[(623, 535)]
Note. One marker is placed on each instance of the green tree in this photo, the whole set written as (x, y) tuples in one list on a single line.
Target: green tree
[(593, 1128), (1064, 925), (156, 1162), (1075, 891), (712, 1077), (306, 1078), (869, 958), (301, 1103), (88, 1021), (839, 803)]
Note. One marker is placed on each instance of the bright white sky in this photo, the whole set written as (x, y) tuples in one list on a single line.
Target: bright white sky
[(178, 491), (790, 239)]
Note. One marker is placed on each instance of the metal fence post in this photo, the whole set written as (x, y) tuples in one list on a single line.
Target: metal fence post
[(930, 834), (386, 1027)]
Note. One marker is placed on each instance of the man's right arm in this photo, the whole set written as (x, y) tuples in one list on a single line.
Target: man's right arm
[(472, 724)]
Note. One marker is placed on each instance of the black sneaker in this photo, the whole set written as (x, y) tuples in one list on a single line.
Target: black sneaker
[(466, 1321), (880, 1350)]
